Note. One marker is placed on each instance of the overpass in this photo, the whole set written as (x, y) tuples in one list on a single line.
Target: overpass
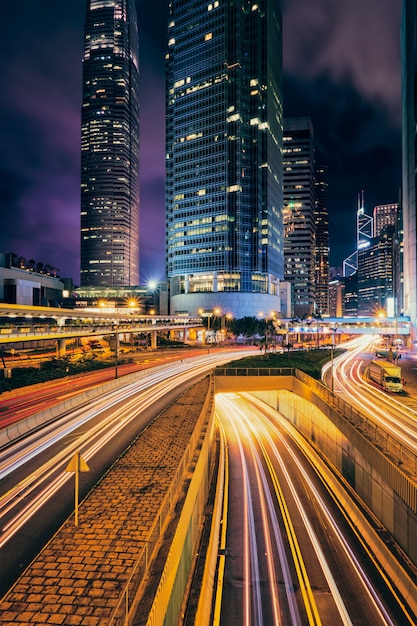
[(35, 323), (386, 326)]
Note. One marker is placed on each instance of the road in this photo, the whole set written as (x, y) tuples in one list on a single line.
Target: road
[(289, 555), (20, 403), (36, 492), (391, 413)]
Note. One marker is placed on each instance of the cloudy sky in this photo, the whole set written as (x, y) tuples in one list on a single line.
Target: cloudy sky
[(341, 68)]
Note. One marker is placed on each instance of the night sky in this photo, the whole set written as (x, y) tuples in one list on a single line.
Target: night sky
[(341, 68)]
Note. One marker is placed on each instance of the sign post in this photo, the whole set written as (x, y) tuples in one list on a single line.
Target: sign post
[(77, 465)]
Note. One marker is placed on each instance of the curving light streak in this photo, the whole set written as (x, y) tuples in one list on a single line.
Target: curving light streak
[(120, 404), (396, 419), (229, 413), (309, 454), (261, 420)]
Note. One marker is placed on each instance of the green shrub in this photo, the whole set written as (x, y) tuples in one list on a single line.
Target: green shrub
[(310, 362)]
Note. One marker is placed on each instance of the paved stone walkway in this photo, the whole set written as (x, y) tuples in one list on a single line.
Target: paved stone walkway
[(79, 576)]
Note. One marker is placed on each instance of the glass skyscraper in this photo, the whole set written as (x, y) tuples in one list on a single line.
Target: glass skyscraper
[(299, 217), (224, 237), (321, 218), (110, 146)]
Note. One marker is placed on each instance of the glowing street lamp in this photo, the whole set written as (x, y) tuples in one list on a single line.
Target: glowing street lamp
[(382, 316)]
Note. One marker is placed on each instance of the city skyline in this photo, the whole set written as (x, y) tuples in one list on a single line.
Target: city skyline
[(349, 85)]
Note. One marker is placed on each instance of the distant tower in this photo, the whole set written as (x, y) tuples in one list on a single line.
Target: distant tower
[(299, 206), (224, 243), (110, 146), (409, 160), (321, 218), (364, 224), (364, 234)]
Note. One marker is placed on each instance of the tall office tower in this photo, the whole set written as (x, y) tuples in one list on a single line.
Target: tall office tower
[(409, 160), (387, 220), (364, 224), (224, 242), (110, 146), (299, 203), (321, 218), (376, 273), (364, 234)]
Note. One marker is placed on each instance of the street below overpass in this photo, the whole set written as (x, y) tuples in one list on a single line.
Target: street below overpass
[(288, 554)]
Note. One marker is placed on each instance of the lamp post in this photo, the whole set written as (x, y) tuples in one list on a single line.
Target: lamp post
[(331, 356), (382, 316), (116, 352)]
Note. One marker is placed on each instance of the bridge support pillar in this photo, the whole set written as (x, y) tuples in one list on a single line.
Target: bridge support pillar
[(153, 340), (60, 348)]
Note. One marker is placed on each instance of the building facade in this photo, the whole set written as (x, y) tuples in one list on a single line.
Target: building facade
[(376, 273), (110, 146), (299, 207), (29, 288), (409, 160), (321, 218), (224, 239)]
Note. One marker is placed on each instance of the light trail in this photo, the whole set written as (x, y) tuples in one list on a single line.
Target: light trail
[(260, 423), (394, 418), (310, 456), (122, 406), (229, 413)]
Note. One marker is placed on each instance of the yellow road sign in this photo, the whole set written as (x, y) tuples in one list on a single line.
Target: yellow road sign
[(77, 464)]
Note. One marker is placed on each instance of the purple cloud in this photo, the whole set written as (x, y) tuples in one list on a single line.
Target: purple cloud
[(355, 41)]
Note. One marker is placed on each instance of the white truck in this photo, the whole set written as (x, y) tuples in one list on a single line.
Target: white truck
[(387, 375)]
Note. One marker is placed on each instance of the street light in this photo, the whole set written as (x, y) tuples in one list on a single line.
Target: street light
[(382, 316), (334, 330)]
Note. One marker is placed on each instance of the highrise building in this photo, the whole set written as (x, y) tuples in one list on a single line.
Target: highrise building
[(299, 205), (224, 240), (385, 215), (376, 272), (321, 218), (387, 220), (409, 160), (364, 234), (110, 146)]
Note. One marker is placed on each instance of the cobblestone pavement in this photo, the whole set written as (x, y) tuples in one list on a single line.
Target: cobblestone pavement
[(79, 576)]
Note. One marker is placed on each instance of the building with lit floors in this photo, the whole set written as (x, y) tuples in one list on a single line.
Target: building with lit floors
[(224, 239), (376, 273), (110, 146), (321, 219), (409, 160), (299, 207)]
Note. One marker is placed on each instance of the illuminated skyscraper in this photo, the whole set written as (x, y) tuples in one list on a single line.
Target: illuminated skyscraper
[(224, 240), (385, 215), (299, 202), (321, 218), (110, 146)]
